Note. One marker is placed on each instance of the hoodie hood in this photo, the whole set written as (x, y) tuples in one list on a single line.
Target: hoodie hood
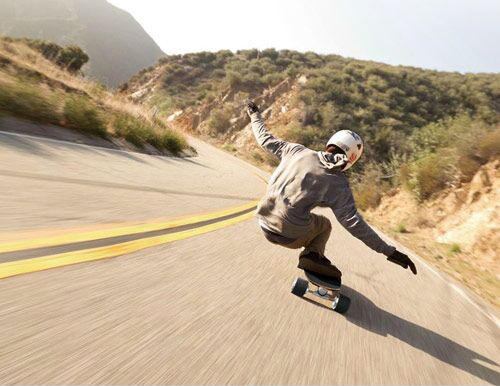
[(332, 161)]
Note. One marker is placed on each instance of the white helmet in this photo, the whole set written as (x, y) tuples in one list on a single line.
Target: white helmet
[(350, 143)]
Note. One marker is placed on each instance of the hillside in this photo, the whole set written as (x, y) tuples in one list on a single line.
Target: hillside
[(40, 95), (428, 135), (117, 45), (383, 103)]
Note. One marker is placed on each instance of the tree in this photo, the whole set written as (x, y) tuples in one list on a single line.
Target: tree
[(72, 58)]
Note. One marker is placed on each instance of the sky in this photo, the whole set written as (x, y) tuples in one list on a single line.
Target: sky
[(448, 35)]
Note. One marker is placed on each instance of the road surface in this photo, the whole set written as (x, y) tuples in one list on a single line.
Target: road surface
[(213, 307)]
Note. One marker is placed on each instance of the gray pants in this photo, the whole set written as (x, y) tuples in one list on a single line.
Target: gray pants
[(314, 241)]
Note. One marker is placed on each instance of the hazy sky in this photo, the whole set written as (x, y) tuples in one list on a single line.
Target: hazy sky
[(452, 35)]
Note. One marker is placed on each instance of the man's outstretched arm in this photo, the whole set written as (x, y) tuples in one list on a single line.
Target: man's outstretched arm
[(348, 216), (264, 138)]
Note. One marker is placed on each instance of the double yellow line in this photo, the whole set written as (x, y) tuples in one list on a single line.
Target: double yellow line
[(18, 267)]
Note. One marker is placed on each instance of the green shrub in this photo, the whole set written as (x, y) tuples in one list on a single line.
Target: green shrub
[(229, 147), (134, 130), (168, 140), (309, 136), (468, 143), (72, 58), (401, 228), (468, 167), (233, 79), (83, 115), (139, 132), (455, 248), (219, 121), (369, 187), (48, 49), (273, 79), (27, 100), (430, 174), (163, 102), (489, 145), (403, 175)]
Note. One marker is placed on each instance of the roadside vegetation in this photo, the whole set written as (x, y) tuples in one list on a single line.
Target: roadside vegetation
[(42, 82), (424, 130), (437, 157)]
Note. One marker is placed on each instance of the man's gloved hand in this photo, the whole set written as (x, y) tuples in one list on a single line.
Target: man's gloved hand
[(402, 260), (251, 107)]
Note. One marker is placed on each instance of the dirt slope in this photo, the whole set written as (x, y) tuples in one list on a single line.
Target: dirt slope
[(458, 231)]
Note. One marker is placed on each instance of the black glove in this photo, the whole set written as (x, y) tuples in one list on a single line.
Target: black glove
[(251, 107), (402, 260)]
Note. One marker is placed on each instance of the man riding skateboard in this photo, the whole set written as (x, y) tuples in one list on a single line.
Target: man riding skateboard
[(306, 179)]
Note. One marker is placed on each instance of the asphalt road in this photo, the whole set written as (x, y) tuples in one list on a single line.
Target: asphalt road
[(216, 307)]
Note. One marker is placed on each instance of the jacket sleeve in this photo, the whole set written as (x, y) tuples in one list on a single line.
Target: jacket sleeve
[(347, 215), (265, 139)]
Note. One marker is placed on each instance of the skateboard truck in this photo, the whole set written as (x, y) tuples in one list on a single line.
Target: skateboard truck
[(326, 288)]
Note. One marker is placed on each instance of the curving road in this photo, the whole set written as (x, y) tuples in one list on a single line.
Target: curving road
[(213, 308)]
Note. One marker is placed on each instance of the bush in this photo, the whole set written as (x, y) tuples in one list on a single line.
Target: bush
[(139, 132), (430, 174), (26, 100), (49, 50), (168, 140), (309, 136), (469, 142), (134, 130), (229, 147), (233, 79), (489, 145), (219, 121), (369, 188), (467, 166), (401, 228), (83, 115), (455, 248), (72, 58)]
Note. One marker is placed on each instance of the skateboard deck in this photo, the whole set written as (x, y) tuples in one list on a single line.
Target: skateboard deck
[(323, 281)]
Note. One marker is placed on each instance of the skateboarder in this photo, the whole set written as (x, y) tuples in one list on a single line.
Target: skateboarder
[(305, 179)]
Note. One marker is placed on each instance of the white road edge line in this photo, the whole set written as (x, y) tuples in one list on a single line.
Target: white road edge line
[(457, 289)]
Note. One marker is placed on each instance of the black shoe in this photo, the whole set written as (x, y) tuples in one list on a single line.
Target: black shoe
[(318, 264)]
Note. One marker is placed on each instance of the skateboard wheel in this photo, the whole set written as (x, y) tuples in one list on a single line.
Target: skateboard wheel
[(341, 304), (300, 286)]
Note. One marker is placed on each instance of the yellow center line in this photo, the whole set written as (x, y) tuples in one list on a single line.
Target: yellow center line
[(69, 238), (47, 262)]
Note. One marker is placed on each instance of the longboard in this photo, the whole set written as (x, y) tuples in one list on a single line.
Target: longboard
[(326, 288)]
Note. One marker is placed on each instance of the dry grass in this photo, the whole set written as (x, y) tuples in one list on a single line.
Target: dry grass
[(27, 100), (42, 91), (83, 115), (25, 56)]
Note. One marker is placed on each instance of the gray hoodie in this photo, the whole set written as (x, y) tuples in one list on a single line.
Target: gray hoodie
[(303, 180)]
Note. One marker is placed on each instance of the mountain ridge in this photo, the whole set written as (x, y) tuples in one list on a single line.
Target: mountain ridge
[(117, 44)]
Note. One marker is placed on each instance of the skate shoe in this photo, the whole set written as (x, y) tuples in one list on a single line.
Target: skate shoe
[(318, 264)]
